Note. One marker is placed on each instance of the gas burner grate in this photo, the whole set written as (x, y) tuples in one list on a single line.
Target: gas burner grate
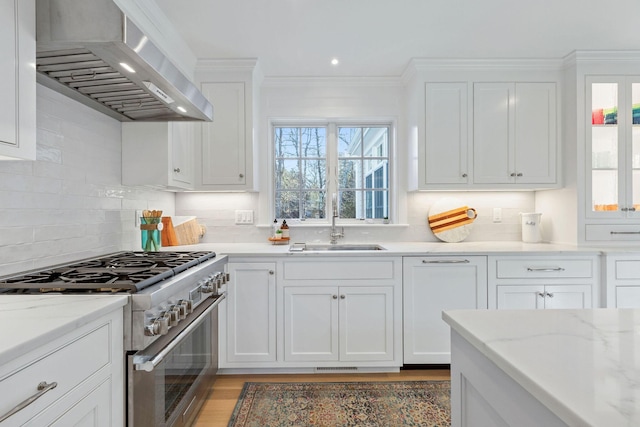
[(119, 272)]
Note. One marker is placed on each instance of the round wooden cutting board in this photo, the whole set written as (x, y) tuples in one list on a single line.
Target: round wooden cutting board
[(451, 220)]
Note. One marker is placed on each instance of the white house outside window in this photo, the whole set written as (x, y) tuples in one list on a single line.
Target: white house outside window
[(313, 162)]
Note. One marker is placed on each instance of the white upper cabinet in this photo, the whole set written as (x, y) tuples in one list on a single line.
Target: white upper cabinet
[(224, 141), (225, 148), (17, 80), (514, 134), (446, 144), (158, 154)]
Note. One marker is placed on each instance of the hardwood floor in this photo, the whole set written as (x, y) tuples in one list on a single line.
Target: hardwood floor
[(218, 408)]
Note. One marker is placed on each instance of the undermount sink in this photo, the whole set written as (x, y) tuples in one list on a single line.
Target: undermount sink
[(302, 247)]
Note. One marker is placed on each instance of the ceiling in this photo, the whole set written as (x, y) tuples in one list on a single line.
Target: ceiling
[(379, 37)]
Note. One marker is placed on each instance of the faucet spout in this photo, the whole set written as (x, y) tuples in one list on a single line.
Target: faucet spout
[(335, 235)]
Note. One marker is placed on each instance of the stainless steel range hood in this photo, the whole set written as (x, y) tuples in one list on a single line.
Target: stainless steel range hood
[(91, 52)]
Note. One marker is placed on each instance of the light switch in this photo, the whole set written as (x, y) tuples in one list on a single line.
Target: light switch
[(244, 217), (497, 214)]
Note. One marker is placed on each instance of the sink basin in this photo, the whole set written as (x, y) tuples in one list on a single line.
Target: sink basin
[(301, 247)]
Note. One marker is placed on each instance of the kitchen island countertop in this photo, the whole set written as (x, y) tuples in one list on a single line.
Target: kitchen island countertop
[(580, 364), (30, 321)]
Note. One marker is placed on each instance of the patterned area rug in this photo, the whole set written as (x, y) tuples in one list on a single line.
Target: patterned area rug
[(370, 404)]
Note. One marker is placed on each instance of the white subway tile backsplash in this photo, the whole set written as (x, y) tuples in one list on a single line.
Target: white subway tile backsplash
[(69, 204)]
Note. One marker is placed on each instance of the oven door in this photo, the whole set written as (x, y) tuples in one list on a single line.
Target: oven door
[(169, 381)]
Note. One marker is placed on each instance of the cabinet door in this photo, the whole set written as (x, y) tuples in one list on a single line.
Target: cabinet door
[(366, 323), (250, 327), (432, 285), (182, 142), (493, 133), (446, 151), (627, 297), (223, 153), (17, 80), (567, 296), (515, 297), (94, 410), (535, 133), (514, 133), (311, 323)]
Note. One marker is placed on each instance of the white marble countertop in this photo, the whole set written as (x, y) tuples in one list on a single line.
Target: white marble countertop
[(584, 365), (30, 321), (393, 249)]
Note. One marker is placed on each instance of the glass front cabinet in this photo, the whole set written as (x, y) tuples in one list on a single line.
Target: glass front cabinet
[(613, 139)]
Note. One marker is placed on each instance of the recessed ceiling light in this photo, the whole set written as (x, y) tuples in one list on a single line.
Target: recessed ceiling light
[(127, 67), (335, 61)]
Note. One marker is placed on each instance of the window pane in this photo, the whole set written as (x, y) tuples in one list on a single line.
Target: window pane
[(376, 142), (347, 204), (287, 174), (287, 142), (314, 173), (287, 204), (314, 203), (349, 174), (314, 142), (349, 142)]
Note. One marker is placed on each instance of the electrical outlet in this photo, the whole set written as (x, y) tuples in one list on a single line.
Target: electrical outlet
[(497, 214), (244, 217)]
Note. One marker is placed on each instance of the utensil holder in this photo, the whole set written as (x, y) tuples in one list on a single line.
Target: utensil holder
[(150, 228)]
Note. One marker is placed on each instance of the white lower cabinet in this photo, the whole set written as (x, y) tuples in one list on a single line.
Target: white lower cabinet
[(341, 312), (622, 272), (433, 284), (532, 282), (328, 323), (248, 316), (512, 297), (87, 367)]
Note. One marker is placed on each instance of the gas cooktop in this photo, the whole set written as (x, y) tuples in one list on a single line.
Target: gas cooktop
[(118, 272)]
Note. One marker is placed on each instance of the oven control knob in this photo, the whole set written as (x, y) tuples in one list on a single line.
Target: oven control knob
[(206, 287), (174, 315), (159, 326), (182, 311), (187, 304)]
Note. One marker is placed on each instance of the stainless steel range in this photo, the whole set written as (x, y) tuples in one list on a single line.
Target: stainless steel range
[(170, 323)]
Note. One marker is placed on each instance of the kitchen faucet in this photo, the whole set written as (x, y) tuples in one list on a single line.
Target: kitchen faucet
[(335, 235)]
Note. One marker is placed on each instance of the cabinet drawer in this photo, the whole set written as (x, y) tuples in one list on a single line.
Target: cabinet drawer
[(544, 268), (628, 269), (67, 366), (613, 233), (344, 269)]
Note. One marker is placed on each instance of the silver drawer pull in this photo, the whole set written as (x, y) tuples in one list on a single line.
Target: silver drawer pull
[(625, 232), (545, 269), (445, 261), (43, 387)]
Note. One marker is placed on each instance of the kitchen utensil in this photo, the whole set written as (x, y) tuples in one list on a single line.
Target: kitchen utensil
[(451, 220)]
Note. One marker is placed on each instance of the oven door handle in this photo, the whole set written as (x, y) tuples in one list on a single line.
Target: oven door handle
[(146, 363)]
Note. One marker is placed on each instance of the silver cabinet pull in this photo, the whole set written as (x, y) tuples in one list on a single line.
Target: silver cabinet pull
[(541, 294), (625, 232), (342, 296), (512, 174), (464, 175), (548, 294), (334, 296), (445, 261), (43, 387), (519, 174), (177, 170), (271, 272), (241, 175), (545, 269)]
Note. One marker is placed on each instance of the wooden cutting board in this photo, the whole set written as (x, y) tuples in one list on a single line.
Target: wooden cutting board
[(451, 220)]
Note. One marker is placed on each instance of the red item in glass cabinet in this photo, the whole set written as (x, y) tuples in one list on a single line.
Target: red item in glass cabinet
[(597, 117)]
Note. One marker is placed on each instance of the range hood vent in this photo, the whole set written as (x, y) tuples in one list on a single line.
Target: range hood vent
[(91, 52)]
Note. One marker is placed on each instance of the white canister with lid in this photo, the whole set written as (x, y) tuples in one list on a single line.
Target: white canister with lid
[(531, 227)]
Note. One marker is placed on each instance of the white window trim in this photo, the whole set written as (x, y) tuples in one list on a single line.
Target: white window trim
[(267, 199)]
